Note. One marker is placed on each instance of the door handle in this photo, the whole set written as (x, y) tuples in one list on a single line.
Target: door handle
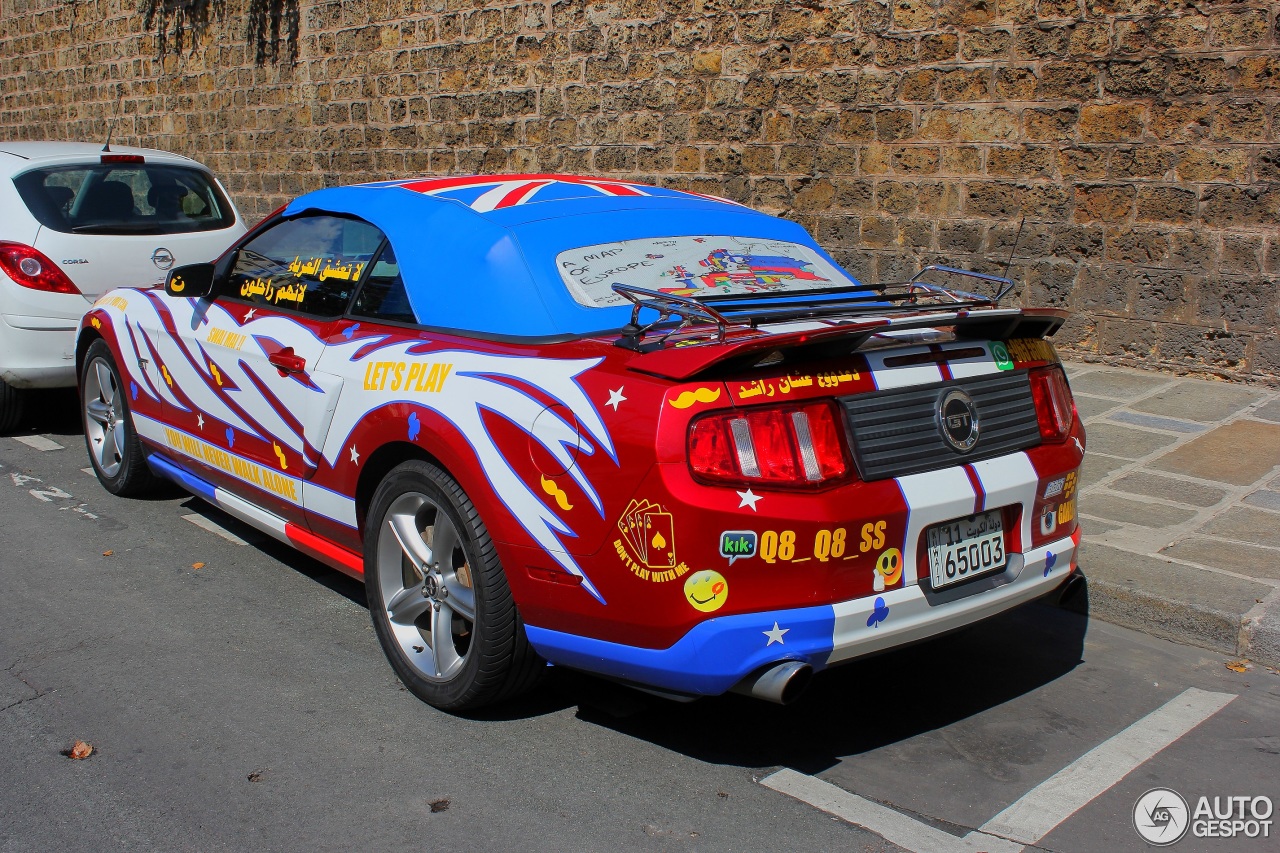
[(287, 362)]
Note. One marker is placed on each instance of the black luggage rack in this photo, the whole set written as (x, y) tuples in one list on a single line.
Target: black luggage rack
[(749, 311)]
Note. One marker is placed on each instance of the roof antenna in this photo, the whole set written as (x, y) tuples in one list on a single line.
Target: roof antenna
[(111, 126), (1009, 263)]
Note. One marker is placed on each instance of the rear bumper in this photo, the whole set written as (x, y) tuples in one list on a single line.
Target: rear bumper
[(38, 351), (719, 653)]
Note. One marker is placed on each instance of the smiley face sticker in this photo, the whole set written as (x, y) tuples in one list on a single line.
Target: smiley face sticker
[(888, 569), (706, 590)]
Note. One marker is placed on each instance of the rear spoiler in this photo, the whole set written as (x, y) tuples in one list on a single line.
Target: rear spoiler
[(681, 362)]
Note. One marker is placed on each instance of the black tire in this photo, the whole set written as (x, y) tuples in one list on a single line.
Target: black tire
[(13, 404), (479, 660), (115, 451)]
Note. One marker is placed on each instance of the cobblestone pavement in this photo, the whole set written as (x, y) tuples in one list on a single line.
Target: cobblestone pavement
[(1181, 507)]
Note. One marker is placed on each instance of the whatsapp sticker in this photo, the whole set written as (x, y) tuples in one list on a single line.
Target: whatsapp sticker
[(1001, 354)]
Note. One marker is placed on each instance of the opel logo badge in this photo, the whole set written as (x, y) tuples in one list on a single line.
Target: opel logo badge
[(958, 420), (162, 258)]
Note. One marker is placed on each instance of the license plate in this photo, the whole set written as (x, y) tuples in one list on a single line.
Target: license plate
[(966, 547)]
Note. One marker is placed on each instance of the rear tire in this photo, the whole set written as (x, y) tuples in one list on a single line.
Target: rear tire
[(438, 596), (114, 448), (13, 404)]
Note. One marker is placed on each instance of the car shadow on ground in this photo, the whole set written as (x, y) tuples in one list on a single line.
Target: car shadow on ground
[(851, 709), (847, 710), (331, 579)]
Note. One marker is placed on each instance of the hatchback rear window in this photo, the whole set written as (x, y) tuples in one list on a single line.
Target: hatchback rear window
[(142, 198), (694, 266)]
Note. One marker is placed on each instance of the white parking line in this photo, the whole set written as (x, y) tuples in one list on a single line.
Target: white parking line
[(1064, 793), (1040, 810), (39, 442), (213, 527), (89, 471)]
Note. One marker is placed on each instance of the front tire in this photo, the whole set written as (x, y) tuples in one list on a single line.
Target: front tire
[(440, 602), (114, 448)]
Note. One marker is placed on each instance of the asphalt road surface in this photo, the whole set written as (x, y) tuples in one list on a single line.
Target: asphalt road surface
[(245, 705)]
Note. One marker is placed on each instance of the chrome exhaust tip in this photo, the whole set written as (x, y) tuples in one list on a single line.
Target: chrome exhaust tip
[(781, 683)]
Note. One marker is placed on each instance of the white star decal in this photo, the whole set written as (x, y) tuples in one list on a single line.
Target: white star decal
[(200, 420), (749, 498), (615, 397), (249, 316), (355, 455), (775, 636)]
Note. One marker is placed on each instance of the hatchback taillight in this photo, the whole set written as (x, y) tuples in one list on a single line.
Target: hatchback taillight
[(1055, 408), (30, 268), (784, 446)]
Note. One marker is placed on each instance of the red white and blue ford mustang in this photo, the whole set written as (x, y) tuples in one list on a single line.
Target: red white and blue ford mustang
[(644, 433)]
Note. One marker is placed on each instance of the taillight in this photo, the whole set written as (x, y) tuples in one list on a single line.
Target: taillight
[(1055, 408), (123, 158), (30, 268), (784, 446)]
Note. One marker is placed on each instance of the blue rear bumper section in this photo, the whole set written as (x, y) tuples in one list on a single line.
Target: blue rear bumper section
[(164, 468), (713, 657)]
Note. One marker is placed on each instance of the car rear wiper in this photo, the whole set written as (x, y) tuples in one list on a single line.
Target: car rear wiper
[(119, 228)]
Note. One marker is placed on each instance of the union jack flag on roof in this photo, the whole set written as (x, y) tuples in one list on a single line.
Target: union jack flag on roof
[(483, 193)]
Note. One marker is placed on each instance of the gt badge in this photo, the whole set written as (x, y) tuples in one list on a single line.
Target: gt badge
[(958, 420)]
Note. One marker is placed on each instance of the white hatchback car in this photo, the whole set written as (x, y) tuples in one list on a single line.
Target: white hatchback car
[(78, 219)]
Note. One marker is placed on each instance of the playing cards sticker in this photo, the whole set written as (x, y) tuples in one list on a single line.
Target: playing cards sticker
[(648, 542)]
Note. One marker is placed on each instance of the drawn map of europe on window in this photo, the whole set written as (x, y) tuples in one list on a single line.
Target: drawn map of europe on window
[(693, 266), (722, 269)]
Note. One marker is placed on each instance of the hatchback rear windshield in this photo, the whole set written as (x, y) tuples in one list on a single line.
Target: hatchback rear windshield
[(142, 198), (694, 266)]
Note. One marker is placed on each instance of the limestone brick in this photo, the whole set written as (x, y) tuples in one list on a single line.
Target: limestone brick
[(1140, 139)]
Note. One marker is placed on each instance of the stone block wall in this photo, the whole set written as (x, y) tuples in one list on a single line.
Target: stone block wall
[(1140, 139)]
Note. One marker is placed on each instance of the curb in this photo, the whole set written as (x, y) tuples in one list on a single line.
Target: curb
[(1171, 620), (1224, 613), (1260, 632), (1255, 636)]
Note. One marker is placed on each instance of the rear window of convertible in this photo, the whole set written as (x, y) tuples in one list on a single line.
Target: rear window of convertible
[(694, 266), (142, 198)]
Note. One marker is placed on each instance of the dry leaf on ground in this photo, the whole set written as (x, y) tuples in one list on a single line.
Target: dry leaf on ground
[(1239, 665), (197, 565), (440, 805), (107, 553), (79, 751)]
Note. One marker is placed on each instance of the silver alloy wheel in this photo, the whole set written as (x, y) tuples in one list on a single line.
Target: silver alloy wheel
[(104, 421), (426, 585)]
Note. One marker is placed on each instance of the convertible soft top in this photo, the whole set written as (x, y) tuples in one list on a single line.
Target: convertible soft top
[(479, 254)]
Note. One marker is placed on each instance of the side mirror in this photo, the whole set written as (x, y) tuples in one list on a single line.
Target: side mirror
[(190, 282)]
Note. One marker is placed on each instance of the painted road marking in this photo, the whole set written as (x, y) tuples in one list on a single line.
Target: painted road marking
[(214, 527), (49, 493), (1040, 810), (903, 830), (89, 471), (39, 442), (1067, 791)]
